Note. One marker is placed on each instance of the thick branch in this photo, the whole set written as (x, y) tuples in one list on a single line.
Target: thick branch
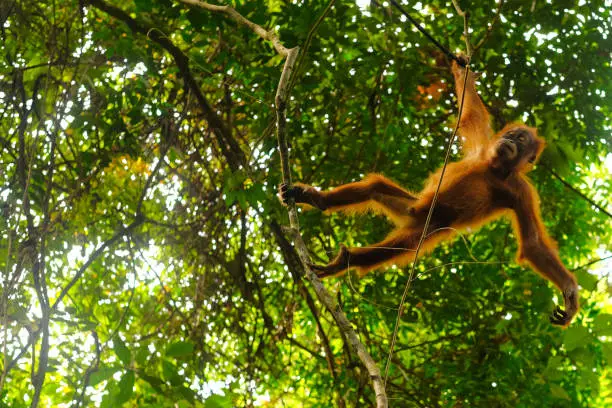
[(238, 18), (293, 262), (281, 104), (229, 147)]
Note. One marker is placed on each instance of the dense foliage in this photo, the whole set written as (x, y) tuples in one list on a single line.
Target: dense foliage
[(142, 256)]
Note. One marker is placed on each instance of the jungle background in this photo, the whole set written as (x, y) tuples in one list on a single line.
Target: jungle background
[(144, 256)]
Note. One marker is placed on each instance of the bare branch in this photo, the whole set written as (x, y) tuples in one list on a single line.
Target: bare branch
[(267, 35), (77, 276), (293, 262), (466, 31), (575, 190)]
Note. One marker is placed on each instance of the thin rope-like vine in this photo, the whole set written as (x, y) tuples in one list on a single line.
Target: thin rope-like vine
[(475, 261), (427, 222), (419, 27)]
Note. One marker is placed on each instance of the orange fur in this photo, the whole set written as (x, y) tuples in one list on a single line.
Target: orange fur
[(487, 183)]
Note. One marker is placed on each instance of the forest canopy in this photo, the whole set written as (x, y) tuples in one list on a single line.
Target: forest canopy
[(145, 259)]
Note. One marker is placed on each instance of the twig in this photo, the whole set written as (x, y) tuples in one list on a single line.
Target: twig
[(491, 26), (238, 18), (591, 263), (153, 174), (419, 27), (300, 63), (466, 31), (281, 122), (575, 190), (92, 258), (90, 370)]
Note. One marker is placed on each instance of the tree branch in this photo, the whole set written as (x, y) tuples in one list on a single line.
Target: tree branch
[(267, 35), (575, 190), (324, 296), (491, 26), (593, 262), (282, 92), (466, 31), (92, 258), (229, 146), (293, 263), (111, 241)]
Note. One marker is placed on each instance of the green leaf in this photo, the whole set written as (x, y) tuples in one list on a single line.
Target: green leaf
[(350, 54), (102, 374), (142, 355), (108, 401), (555, 362), (88, 325), (602, 324), (584, 357), (180, 348), (233, 180), (155, 382), (587, 281), (256, 194), (126, 388), (197, 17), (218, 401), (606, 349), (171, 373), (558, 392), (172, 155), (553, 372), (121, 350), (188, 393), (101, 317), (275, 61), (589, 380), (575, 336), (18, 313)]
